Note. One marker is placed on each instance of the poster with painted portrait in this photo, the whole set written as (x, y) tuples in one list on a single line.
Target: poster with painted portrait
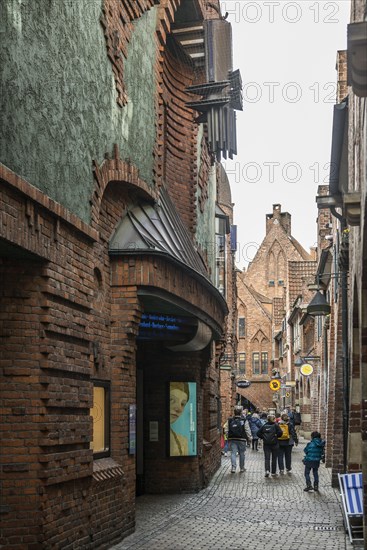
[(183, 421)]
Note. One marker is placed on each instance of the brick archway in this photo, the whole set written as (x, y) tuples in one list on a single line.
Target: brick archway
[(120, 171)]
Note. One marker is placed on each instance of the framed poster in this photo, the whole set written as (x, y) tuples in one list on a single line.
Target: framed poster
[(182, 419)]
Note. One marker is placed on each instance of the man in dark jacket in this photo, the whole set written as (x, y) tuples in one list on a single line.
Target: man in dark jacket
[(269, 433), (296, 419), (239, 434)]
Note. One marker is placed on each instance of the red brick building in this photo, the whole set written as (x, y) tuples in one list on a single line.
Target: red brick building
[(265, 292), (108, 270)]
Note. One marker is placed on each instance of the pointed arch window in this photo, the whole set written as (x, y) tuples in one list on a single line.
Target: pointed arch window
[(242, 363), (256, 363), (264, 362), (242, 327)]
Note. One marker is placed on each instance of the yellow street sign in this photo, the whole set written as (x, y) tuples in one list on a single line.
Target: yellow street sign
[(274, 385), (287, 394)]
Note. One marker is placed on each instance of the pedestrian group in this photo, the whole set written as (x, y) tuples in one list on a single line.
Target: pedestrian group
[(278, 436)]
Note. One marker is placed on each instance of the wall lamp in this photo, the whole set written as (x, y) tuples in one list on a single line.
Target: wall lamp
[(318, 305)]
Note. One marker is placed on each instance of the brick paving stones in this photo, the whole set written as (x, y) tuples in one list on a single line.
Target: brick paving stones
[(243, 511)]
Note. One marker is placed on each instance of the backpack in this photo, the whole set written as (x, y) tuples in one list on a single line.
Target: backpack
[(236, 428), (269, 435), (285, 429)]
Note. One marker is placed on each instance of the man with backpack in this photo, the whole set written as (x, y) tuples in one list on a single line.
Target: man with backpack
[(286, 442), (269, 433), (239, 434)]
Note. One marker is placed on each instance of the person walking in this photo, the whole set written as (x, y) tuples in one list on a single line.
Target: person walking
[(225, 438), (297, 419), (286, 442), (239, 434), (269, 433), (255, 425), (263, 420), (314, 452)]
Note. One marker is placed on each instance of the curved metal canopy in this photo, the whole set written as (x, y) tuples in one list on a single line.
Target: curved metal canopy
[(157, 228)]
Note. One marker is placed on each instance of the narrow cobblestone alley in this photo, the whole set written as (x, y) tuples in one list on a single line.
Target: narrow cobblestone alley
[(244, 511)]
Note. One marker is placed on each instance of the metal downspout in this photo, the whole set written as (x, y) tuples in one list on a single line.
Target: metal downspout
[(344, 279)]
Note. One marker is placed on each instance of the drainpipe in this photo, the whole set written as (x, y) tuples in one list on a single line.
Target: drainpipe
[(344, 289)]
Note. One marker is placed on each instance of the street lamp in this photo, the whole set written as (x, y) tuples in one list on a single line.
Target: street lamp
[(318, 305)]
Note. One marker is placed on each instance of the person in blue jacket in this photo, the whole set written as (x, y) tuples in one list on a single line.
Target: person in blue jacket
[(255, 425), (314, 452)]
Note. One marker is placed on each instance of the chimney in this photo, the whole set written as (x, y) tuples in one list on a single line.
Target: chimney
[(279, 217)]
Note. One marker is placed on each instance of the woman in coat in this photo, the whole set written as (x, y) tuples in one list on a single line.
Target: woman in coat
[(255, 425)]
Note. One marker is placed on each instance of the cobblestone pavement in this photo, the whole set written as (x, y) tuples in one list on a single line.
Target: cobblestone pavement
[(244, 511)]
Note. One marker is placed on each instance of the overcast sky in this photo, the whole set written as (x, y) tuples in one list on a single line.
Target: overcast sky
[(286, 52)]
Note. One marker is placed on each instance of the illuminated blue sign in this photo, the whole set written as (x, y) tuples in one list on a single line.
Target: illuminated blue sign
[(156, 325)]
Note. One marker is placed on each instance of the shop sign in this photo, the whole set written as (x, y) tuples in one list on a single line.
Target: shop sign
[(306, 369), (158, 326), (274, 385), (243, 384)]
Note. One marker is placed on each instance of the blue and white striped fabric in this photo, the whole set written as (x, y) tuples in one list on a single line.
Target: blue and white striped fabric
[(353, 486)]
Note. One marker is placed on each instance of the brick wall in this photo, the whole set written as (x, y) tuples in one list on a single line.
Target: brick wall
[(58, 341), (180, 139)]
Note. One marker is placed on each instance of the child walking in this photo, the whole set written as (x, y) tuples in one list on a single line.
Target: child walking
[(314, 452)]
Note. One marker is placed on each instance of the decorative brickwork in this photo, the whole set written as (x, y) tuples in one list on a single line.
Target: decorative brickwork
[(123, 173), (179, 138), (117, 24)]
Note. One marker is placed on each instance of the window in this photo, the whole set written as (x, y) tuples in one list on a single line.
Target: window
[(241, 327), (296, 338), (242, 362), (280, 282), (319, 321), (220, 254), (101, 419), (280, 347), (271, 283), (264, 363), (255, 363)]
